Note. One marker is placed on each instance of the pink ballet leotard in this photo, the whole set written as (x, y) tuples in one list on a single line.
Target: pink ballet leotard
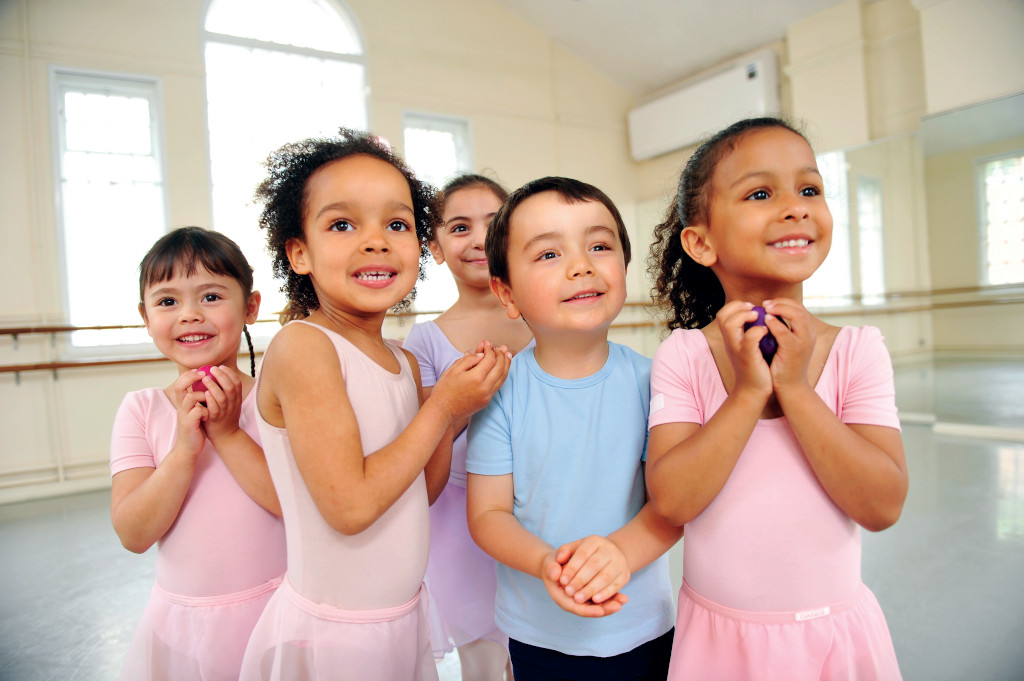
[(350, 607), (216, 567), (771, 568)]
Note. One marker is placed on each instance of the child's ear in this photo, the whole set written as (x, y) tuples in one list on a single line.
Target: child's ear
[(435, 250), (504, 293), (296, 252), (697, 245), (252, 307), (145, 319)]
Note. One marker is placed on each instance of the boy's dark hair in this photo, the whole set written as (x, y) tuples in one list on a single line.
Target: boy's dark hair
[(283, 195), (571, 191), (691, 291), (185, 250), (466, 181)]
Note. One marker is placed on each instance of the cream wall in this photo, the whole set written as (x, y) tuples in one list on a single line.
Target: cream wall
[(534, 108), (855, 73)]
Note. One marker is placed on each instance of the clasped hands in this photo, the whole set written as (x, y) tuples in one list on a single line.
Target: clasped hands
[(585, 576)]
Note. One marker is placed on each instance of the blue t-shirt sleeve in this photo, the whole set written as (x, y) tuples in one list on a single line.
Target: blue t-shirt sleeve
[(489, 450)]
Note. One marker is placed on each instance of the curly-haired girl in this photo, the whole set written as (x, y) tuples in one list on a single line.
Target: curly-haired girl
[(353, 450)]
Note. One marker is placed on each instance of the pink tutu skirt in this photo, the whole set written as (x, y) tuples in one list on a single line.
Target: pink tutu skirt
[(460, 577), (847, 641), (297, 639), (181, 637)]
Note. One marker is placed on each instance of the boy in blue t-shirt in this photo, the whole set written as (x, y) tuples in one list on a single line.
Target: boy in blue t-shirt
[(556, 458)]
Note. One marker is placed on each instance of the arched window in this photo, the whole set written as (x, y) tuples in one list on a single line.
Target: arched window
[(276, 72)]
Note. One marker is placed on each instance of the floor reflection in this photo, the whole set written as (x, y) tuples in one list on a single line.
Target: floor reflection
[(948, 574)]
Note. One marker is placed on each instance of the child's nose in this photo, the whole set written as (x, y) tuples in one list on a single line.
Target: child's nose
[(190, 312), (580, 266), (376, 241), (796, 208)]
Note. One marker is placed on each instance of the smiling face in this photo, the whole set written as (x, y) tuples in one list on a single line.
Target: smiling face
[(768, 227), (460, 238), (197, 320), (359, 244), (566, 267)]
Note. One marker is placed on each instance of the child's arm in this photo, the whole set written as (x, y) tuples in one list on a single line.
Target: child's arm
[(689, 464), (593, 570), (240, 453), (144, 502), (862, 467), (496, 530), (438, 468), (351, 490)]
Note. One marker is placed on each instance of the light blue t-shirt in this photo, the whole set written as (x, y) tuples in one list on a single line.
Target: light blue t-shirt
[(575, 450)]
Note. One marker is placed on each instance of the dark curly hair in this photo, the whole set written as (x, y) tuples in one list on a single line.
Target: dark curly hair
[(467, 181), (284, 195), (571, 191), (185, 250), (691, 291)]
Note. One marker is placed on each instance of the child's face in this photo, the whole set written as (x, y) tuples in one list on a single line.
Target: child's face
[(767, 217), (460, 238), (566, 267), (197, 320), (359, 243)]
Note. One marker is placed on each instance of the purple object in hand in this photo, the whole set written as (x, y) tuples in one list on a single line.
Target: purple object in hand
[(768, 344), (199, 386)]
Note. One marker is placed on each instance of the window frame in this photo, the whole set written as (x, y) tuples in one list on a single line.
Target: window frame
[(61, 79), (981, 208)]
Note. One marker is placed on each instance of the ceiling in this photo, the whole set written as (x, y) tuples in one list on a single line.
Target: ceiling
[(643, 45)]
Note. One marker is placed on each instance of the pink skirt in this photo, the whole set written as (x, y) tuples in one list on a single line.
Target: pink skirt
[(181, 637), (460, 577), (299, 639), (846, 641)]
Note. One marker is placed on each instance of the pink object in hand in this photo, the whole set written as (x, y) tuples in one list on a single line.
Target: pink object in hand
[(199, 386)]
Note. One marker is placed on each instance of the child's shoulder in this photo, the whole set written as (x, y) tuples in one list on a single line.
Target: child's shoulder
[(625, 354)]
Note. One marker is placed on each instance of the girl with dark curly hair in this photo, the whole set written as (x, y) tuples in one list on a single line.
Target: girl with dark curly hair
[(355, 453), (773, 458)]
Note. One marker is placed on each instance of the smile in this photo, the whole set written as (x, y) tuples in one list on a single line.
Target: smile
[(791, 243), (195, 338), (585, 296), (374, 275)]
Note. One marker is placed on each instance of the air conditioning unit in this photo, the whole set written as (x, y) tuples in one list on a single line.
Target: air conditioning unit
[(701, 108)]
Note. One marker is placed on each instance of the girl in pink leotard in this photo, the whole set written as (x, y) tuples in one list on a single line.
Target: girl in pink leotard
[(188, 471), (772, 462), (354, 450), (460, 576)]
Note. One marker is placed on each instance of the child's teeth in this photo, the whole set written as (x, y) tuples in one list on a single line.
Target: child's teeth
[(792, 243)]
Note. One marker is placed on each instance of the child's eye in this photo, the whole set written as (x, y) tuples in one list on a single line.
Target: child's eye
[(341, 226), (211, 298), (759, 195), (399, 226), (459, 228), (600, 247), (810, 191), (547, 255), (165, 302)]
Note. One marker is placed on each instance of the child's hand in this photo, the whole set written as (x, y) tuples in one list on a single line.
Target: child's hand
[(468, 384), (551, 573), (594, 569), (223, 403), (796, 338), (191, 412), (741, 347)]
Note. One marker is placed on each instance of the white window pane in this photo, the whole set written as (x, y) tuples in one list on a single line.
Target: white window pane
[(112, 200), (832, 283), (1003, 214), (304, 23)]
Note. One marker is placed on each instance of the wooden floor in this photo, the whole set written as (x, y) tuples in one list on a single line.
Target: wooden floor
[(949, 575)]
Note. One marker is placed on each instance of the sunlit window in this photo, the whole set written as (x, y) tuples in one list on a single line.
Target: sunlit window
[(832, 283), (276, 72), (111, 203), (1002, 219), (870, 240), (437, 148)]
